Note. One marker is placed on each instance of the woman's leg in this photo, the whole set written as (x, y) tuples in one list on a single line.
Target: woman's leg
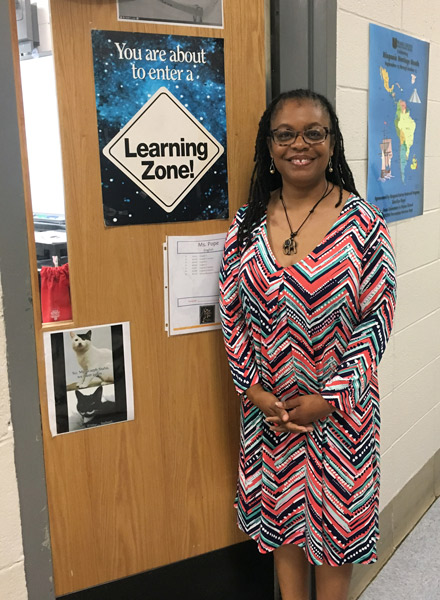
[(292, 572), (332, 582)]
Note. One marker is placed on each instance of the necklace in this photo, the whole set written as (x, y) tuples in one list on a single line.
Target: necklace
[(289, 245)]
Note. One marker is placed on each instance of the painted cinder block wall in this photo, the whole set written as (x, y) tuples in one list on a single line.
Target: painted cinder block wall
[(409, 372), (12, 579)]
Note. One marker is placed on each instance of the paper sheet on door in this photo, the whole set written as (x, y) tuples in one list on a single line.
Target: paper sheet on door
[(191, 271)]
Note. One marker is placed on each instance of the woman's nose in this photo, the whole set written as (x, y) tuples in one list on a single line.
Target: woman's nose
[(299, 142)]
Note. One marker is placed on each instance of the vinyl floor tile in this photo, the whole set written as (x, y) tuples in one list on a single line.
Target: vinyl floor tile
[(414, 569)]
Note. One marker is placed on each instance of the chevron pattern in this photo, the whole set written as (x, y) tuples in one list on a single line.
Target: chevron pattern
[(320, 326)]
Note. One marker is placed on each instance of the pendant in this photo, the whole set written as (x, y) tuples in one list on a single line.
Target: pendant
[(289, 246)]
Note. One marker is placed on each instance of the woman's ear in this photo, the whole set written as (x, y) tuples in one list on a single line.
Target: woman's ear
[(268, 142), (332, 144)]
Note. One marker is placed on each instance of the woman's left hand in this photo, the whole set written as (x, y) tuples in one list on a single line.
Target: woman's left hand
[(302, 410)]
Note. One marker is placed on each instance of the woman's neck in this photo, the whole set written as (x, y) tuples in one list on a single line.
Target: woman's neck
[(296, 196)]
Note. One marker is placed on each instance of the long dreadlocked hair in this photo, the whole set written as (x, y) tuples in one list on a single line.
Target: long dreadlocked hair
[(263, 183)]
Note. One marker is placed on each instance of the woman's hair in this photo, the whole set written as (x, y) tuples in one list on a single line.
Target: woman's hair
[(263, 183)]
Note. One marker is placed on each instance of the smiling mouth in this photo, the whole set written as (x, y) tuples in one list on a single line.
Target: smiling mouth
[(301, 161)]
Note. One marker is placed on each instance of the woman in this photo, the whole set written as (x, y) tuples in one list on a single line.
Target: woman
[(307, 295)]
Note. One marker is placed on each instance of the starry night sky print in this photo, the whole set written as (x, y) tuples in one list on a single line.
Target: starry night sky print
[(119, 96)]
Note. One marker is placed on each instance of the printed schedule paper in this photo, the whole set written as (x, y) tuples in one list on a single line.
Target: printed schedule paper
[(191, 272)]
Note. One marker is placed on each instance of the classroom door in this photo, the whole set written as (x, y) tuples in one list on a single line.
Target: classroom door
[(149, 492)]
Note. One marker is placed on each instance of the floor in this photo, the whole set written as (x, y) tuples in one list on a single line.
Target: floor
[(413, 572)]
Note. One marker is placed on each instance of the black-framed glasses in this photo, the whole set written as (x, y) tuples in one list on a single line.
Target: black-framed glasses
[(313, 135)]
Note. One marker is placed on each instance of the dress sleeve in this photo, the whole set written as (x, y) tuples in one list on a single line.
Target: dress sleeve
[(369, 338), (238, 343)]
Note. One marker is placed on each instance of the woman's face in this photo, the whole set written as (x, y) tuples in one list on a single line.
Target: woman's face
[(301, 163)]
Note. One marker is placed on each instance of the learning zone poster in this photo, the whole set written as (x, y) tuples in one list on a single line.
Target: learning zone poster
[(398, 91), (160, 102)]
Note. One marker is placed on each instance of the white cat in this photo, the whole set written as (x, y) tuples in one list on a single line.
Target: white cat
[(96, 363)]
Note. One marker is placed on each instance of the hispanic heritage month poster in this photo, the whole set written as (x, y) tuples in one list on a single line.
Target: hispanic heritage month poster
[(160, 102), (398, 92)]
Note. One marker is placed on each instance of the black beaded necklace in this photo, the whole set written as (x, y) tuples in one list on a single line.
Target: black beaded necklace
[(289, 245)]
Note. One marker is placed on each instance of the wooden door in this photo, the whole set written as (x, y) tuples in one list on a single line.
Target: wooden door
[(159, 489)]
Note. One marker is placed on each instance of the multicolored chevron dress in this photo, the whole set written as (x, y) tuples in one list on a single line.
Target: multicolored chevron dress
[(319, 326)]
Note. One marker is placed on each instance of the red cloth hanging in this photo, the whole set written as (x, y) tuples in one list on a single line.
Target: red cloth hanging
[(55, 294)]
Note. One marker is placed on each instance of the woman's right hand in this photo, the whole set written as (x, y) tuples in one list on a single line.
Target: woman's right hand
[(266, 402)]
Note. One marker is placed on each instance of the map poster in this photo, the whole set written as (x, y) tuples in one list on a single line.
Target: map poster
[(398, 91), (160, 102)]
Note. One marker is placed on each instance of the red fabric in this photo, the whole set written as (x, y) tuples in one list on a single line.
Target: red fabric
[(55, 294)]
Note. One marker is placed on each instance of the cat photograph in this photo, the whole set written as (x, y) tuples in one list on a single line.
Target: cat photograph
[(96, 363), (90, 381), (96, 408)]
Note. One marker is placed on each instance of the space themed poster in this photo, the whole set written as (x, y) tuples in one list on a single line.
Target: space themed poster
[(160, 102)]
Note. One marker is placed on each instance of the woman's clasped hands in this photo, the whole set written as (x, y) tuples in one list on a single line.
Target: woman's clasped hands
[(295, 415)]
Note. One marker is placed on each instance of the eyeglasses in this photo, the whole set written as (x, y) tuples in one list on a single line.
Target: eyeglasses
[(286, 137)]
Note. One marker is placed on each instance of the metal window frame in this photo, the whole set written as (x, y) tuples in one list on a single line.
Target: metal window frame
[(303, 46)]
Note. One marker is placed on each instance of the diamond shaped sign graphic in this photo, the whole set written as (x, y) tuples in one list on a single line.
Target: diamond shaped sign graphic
[(164, 150)]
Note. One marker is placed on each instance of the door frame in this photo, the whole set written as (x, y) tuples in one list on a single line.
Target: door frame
[(19, 328)]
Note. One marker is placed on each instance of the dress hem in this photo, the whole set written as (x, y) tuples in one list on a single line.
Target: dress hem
[(302, 545)]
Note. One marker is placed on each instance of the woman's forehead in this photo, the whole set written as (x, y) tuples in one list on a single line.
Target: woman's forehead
[(303, 111)]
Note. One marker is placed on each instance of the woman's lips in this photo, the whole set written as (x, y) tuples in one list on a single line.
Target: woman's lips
[(300, 161)]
